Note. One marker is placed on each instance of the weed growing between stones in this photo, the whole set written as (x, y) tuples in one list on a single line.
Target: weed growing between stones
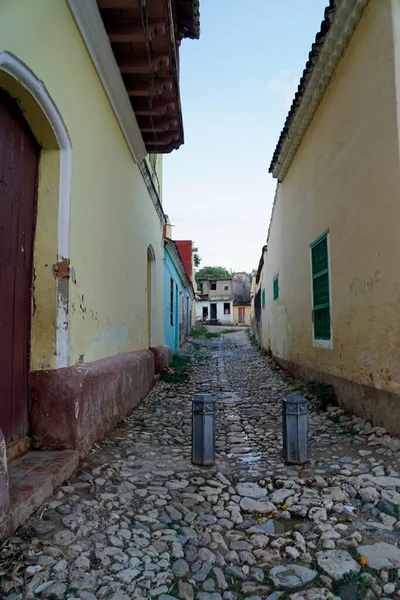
[(177, 372), (252, 338), (225, 331), (173, 590), (320, 393), (202, 332), (323, 393), (352, 585)]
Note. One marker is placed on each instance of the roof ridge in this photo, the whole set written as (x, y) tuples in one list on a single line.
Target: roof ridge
[(340, 19)]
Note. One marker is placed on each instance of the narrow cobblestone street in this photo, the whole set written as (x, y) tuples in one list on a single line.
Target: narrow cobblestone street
[(139, 520)]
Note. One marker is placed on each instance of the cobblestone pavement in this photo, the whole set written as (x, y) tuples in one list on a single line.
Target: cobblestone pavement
[(138, 520)]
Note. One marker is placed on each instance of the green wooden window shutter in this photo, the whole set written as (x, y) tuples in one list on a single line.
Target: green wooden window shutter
[(263, 298), (320, 287), (276, 287)]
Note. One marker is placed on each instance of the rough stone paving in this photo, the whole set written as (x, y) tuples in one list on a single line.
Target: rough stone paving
[(138, 520)]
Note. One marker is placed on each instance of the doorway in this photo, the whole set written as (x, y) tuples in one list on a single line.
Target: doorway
[(205, 313), (19, 156), (181, 319), (151, 296), (241, 314), (213, 311)]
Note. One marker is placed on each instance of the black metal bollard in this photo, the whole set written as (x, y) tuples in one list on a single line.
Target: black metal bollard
[(295, 430), (203, 430)]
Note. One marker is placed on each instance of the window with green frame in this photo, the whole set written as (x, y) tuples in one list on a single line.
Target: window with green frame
[(263, 298), (276, 287), (320, 287)]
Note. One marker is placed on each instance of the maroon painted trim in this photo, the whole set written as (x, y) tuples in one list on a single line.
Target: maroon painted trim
[(75, 406)]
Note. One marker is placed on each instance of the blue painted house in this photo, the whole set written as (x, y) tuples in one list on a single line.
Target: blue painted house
[(178, 298)]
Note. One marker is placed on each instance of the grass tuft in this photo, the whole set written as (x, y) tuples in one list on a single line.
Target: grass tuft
[(178, 371), (202, 332), (252, 337), (323, 393)]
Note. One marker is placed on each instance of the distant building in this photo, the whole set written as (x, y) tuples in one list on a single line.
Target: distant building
[(178, 298), (225, 300), (216, 300), (179, 290), (187, 251)]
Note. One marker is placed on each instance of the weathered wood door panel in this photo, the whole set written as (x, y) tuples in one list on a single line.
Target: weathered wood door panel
[(19, 154)]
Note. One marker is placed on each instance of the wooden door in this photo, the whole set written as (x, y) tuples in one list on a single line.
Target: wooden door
[(19, 154), (241, 314), (181, 319)]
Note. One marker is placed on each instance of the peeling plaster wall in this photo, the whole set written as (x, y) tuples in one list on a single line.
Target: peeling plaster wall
[(113, 219), (345, 177)]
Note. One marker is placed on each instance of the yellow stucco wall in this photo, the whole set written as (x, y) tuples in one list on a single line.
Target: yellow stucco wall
[(247, 315), (113, 219), (267, 309), (345, 177)]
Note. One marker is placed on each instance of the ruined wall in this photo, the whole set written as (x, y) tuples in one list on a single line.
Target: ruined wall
[(344, 178), (241, 284), (113, 219)]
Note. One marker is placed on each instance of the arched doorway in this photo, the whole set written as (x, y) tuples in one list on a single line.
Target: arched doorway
[(49, 340), (151, 296), (19, 156), (35, 242)]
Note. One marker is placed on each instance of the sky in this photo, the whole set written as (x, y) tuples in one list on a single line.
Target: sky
[(237, 84)]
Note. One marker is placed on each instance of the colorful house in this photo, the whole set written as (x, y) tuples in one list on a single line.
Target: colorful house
[(225, 300), (328, 278), (215, 305), (89, 102), (241, 313), (187, 253), (178, 298)]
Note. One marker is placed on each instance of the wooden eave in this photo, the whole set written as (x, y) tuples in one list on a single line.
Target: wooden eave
[(145, 38)]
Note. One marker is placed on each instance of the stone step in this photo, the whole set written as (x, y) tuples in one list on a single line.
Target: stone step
[(34, 477)]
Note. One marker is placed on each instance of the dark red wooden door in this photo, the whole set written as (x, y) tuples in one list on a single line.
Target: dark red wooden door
[(19, 154)]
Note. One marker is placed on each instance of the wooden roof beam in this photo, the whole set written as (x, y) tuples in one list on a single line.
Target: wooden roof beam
[(131, 32), (157, 125), (131, 63), (163, 139), (120, 4), (163, 149), (141, 89), (158, 109)]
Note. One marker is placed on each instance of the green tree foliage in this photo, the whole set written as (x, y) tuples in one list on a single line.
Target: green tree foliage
[(197, 260), (217, 272)]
